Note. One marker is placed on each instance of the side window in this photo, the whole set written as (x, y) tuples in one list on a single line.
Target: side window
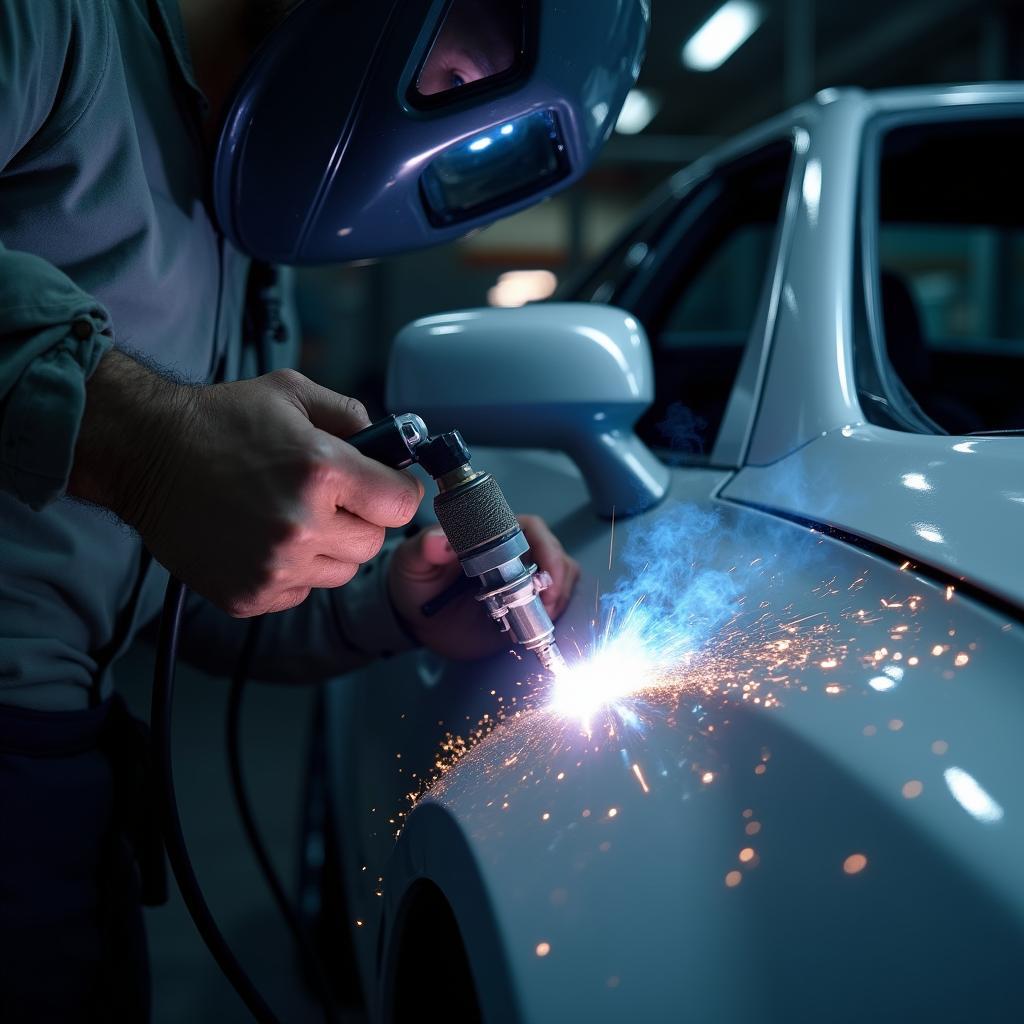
[(703, 299), (950, 265)]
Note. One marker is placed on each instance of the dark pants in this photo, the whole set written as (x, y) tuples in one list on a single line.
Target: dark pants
[(72, 942)]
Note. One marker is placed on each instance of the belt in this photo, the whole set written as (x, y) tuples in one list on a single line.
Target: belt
[(110, 728)]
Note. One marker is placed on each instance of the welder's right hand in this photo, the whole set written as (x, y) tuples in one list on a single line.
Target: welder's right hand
[(244, 491)]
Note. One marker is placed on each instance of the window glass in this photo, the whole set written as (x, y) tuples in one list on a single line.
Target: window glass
[(721, 301), (951, 270), (703, 304)]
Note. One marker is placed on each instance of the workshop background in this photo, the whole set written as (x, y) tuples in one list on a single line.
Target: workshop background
[(790, 49)]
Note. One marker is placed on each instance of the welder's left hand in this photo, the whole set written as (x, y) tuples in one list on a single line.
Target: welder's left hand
[(425, 565)]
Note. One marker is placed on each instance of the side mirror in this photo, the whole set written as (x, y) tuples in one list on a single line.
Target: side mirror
[(569, 376)]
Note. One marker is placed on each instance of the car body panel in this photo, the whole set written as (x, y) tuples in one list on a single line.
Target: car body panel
[(813, 336), (953, 503), (634, 902)]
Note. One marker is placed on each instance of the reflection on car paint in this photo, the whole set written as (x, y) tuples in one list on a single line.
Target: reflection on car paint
[(656, 694)]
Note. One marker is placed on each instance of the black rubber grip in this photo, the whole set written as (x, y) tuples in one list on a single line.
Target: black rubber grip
[(384, 442), (475, 513)]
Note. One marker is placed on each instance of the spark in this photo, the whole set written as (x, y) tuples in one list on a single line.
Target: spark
[(611, 541), (640, 778), (855, 864)]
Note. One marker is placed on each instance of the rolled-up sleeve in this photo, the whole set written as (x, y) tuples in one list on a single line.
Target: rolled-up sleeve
[(52, 337), (52, 334)]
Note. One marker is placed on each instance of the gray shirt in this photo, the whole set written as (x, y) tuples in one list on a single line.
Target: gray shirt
[(107, 237)]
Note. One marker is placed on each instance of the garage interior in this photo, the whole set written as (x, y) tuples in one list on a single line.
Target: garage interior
[(349, 315)]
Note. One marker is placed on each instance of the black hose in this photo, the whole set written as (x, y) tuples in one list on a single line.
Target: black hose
[(308, 954), (177, 852)]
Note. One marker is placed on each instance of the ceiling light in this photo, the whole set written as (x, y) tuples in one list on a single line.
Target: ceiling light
[(638, 111), (722, 35), (518, 287)]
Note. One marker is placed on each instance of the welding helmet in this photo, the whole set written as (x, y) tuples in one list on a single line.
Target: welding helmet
[(369, 127)]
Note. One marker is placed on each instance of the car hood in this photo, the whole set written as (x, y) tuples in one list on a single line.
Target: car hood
[(955, 504)]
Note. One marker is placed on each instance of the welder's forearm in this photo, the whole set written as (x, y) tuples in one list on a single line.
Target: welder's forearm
[(332, 632), (131, 414)]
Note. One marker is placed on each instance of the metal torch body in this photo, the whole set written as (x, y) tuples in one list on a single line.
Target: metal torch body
[(479, 525)]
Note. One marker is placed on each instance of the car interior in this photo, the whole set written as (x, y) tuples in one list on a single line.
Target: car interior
[(951, 265), (700, 299)]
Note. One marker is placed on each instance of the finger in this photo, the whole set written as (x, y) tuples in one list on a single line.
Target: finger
[(435, 549), (347, 538), (545, 547), (286, 599), (423, 559), (374, 492), (328, 573), (327, 410), (572, 576)]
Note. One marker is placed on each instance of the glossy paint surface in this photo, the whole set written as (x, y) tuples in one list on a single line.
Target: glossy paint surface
[(954, 503), (568, 376)]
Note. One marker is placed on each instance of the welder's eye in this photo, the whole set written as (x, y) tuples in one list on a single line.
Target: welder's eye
[(478, 40)]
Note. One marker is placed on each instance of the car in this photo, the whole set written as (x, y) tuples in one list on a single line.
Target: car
[(782, 778)]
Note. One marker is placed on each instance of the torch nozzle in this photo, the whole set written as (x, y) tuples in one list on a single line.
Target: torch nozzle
[(551, 658)]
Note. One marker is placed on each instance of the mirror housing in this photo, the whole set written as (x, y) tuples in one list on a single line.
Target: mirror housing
[(574, 377)]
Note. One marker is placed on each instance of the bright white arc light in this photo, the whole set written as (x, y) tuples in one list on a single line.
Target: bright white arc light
[(722, 35), (637, 113), (968, 793)]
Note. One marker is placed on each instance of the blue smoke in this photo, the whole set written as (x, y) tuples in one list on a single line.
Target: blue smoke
[(674, 591)]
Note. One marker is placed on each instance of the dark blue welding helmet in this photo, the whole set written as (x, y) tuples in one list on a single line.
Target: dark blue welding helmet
[(369, 127)]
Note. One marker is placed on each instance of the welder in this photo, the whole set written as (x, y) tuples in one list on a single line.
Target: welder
[(159, 161)]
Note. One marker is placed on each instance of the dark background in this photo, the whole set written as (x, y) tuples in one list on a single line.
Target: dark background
[(349, 315)]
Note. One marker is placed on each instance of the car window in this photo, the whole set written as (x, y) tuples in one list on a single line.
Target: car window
[(950, 270), (703, 299), (720, 303)]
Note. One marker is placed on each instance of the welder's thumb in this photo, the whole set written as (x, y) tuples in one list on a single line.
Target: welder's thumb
[(434, 547), (327, 410)]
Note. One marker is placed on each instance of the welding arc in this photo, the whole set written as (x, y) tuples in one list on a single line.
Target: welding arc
[(174, 838), (308, 954)]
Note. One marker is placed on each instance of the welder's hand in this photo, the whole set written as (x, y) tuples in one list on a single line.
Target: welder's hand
[(246, 492), (425, 565)]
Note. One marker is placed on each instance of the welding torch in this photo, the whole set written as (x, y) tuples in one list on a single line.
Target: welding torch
[(479, 525)]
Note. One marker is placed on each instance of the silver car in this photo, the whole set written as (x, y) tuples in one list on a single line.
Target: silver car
[(783, 778)]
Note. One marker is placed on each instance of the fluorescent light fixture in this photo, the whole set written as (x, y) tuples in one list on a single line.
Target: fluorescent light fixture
[(638, 112), (518, 287), (722, 35)]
